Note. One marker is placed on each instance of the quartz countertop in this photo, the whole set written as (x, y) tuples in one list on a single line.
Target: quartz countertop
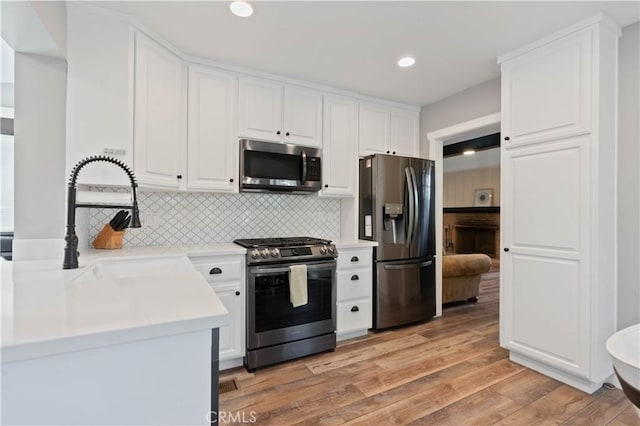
[(47, 310)]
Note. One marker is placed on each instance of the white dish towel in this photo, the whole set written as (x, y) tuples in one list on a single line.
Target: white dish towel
[(298, 285)]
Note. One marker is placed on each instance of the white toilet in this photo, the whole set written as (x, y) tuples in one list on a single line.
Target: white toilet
[(624, 348)]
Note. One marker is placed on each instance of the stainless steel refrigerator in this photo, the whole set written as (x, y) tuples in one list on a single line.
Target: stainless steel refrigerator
[(397, 204)]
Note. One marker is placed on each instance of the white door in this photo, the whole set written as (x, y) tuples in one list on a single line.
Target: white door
[(374, 133), (232, 335), (302, 116), (160, 115), (212, 146), (405, 133), (260, 112), (340, 147), (547, 93), (545, 272)]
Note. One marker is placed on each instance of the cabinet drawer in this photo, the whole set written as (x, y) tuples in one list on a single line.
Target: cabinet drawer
[(354, 315), (354, 258), (225, 270), (354, 284)]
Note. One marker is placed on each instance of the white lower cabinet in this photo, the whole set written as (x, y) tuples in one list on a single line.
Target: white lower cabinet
[(354, 292), (226, 276)]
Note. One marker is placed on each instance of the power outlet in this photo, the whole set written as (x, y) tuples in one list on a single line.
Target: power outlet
[(150, 219)]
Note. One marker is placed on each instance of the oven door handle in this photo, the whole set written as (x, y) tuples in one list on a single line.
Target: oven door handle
[(258, 270)]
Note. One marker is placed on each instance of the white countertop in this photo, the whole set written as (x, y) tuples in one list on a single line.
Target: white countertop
[(47, 310)]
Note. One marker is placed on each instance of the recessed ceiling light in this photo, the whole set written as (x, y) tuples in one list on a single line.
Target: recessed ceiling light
[(241, 9), (469, 152), (407, 61)]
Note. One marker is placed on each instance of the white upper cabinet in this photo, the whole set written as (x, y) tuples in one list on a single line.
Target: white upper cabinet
[(260, 113), (557, 275), (375, 129), (212, 146), (547, 93), (160, 115), (340, 147), (405, 133), (302, 116), (386, 130), (274, 112)]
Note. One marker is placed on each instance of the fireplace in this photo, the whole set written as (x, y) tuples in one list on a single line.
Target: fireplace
[(472, 230)]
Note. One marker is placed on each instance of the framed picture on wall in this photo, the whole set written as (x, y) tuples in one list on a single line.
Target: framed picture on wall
[(483, 197)]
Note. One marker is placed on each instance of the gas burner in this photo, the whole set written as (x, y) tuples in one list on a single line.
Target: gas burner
[(261, 250)]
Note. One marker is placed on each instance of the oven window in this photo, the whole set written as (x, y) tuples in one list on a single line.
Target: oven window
[(269, 165), (274, 310)]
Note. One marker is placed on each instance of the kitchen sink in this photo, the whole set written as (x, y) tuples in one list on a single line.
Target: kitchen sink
[(136, 267)]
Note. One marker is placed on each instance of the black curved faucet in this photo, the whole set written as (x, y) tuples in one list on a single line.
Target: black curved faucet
[(71, 249)]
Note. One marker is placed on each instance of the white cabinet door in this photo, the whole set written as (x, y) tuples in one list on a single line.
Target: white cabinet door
[(545, 290), (547, 93), (212, 146), (160, 115), (232, 335), (374, 134), (302, 116), (405, 133), (340, 147), (260, 112)]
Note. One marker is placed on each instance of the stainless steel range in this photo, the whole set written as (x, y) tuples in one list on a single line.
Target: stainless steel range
[(277, 331)]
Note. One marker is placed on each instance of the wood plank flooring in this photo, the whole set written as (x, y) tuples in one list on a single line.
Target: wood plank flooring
[(450, 371)]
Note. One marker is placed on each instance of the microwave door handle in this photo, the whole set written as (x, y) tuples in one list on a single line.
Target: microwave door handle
[(304, 166)]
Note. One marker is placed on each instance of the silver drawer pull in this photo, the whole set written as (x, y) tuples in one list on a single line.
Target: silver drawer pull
[(354, 277)]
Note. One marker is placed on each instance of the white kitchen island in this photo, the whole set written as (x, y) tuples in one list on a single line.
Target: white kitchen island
[(109, 345)]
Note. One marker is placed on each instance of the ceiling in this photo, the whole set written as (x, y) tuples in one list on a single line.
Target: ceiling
[(355, 45)]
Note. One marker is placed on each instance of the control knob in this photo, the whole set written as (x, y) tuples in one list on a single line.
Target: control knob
[(323, 250), (255, 254), (332, 248), (264, 253), (275, 252)]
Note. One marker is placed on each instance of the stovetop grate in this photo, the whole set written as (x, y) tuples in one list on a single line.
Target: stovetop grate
[(281, 242)]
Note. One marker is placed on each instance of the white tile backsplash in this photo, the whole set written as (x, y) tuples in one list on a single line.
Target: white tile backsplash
[(177, 218)]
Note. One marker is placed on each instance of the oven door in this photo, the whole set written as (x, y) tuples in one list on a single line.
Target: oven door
[(271, 318)]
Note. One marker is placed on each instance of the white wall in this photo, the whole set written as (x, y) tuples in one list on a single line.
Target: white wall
[(40, 176), (477, 101), (629, 178)]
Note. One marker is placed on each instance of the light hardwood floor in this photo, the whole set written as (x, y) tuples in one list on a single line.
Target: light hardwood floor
[(450, 371)]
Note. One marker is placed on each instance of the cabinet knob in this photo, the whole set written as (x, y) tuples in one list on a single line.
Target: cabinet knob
[(231, 180), (394, 153), (326, 185), (355, 309), (388, 152), (354, 277), (506, 138), (287, 134), (215, 271), (179, 177), (237, 293), (506, 249), (355, 259), (278, 132)]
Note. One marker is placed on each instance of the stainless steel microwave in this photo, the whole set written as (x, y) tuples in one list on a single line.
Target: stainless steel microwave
[(268, 166)]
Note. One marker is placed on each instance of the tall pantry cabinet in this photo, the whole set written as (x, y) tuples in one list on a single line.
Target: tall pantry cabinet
[(557, 305)]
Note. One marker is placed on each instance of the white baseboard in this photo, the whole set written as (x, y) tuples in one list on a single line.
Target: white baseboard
[(38, 249)]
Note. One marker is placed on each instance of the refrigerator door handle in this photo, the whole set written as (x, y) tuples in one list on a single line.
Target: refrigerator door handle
[(416, 205), (412, 206), (408, 265)]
